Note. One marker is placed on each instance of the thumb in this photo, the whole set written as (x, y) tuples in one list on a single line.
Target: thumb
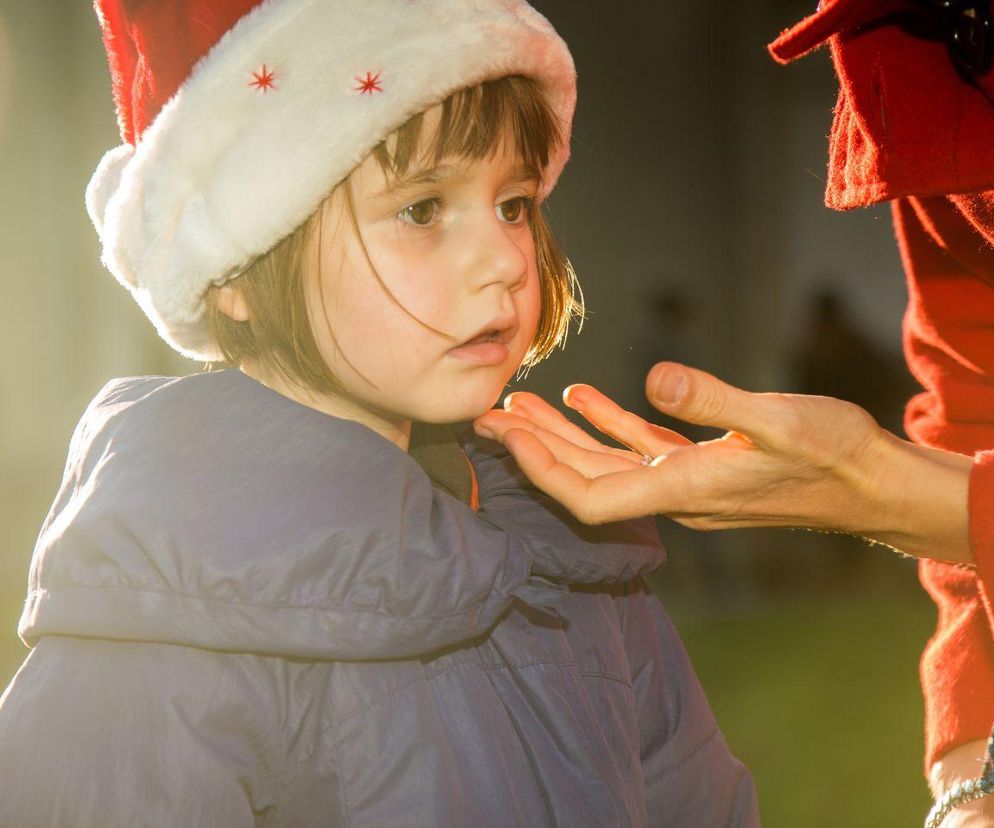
[(698, 397)]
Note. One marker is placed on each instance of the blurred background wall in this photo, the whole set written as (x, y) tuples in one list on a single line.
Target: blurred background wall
[(692, 210)]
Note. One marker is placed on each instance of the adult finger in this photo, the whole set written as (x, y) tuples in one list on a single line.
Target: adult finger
[(558, 480), (624, 426), (698, 397), (494, 424), (589, 462), (615, 496), (534, 408)]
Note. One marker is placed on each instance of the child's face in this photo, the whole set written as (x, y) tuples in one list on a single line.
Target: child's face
[(454, 249)]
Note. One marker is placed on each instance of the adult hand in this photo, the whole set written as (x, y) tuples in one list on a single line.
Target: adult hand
[(785, 460)]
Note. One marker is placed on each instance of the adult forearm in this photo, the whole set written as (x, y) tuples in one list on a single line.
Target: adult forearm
[(919, 501)]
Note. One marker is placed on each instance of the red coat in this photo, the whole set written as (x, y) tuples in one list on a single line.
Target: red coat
[(911, 128)]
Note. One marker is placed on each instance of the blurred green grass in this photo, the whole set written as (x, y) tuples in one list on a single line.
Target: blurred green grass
[(820, 698)]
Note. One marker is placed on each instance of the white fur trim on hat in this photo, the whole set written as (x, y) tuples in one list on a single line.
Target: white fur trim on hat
[(227, 169)]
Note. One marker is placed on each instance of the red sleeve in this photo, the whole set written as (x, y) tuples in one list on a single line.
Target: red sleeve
[(982, 523), (949, 343), (978, 209), (957, 667), (958, 664)]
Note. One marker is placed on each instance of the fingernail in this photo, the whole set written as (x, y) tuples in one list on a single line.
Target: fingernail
[(511, 402), (575, 396), (671, 388), (483, 431)]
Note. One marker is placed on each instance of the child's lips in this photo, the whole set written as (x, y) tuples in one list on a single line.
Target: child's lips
[(490, 346), (482, 353)]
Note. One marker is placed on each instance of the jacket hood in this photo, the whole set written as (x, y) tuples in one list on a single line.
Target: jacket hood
[(211, 511)]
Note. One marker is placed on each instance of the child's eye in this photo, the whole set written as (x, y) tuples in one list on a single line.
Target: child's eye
[(422, 213), (514, 210)]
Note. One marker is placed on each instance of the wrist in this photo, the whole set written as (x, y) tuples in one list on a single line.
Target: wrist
[(959, 764), (917, 499), (962, 782)]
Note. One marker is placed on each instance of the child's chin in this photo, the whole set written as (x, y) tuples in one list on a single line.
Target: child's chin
[(460, 411)]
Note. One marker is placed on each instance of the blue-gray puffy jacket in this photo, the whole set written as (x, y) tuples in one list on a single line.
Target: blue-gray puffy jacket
[(244, 612)]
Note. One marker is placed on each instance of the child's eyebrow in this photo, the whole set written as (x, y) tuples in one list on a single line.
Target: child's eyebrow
[(523, 173), (446, 172), (432, 175)]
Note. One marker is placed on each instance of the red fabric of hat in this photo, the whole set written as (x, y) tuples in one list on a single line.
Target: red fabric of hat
[(906, 122), (147, 65)]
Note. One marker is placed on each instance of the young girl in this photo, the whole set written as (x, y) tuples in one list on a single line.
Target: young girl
[(279, 595)]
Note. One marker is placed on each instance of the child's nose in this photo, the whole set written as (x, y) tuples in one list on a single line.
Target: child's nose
[(498, 257)]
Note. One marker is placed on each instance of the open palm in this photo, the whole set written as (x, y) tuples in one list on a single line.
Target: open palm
[(785, 460)]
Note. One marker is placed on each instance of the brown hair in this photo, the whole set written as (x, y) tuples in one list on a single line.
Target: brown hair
[(473, 121)]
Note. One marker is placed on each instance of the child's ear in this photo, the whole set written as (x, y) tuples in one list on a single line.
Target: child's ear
[(231, 303)]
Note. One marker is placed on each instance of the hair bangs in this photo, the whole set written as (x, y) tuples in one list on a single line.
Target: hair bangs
[(473, 123)]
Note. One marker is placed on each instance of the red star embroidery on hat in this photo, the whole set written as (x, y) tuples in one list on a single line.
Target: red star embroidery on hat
[(369, 84), (263, 79)]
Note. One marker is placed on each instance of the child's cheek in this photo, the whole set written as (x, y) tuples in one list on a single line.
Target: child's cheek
[(534, 301), (428, 311), (418, 285)]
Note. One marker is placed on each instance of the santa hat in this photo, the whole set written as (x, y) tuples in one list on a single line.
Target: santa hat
[(915, 114), (238, 117)]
